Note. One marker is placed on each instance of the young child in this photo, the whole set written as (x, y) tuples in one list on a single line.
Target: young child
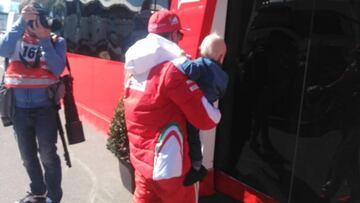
[(207, 72)]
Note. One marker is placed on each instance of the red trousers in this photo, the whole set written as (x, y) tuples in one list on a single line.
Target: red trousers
[(164, 191)]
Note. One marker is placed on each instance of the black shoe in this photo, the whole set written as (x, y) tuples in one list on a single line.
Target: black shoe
[(48, 200), (31, 198), (330, 187), (194, 176)]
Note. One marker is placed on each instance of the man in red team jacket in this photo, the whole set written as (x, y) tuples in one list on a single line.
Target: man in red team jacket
[(159, 100)]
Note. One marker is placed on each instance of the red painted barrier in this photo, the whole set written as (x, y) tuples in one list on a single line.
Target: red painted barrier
[(239, 191), (98, 86)]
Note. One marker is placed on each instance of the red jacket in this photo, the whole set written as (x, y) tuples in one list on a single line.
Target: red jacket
[(159, 100)]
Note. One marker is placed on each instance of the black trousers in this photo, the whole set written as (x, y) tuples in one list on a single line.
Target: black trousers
[(194, 143)]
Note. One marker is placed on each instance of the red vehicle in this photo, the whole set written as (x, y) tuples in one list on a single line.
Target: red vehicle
[(291, 107)]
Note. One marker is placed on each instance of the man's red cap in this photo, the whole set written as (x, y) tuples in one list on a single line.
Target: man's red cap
[(164, 21)]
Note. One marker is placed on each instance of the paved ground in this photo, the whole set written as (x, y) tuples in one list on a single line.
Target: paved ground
[(94, 177)]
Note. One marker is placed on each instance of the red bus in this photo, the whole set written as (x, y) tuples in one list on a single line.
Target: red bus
[(289, 118)]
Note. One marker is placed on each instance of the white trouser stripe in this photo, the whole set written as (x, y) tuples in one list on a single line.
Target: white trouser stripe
[(213, 112), (196, 188)]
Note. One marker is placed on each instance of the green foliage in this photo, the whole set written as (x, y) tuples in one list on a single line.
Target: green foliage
[(117, 141)]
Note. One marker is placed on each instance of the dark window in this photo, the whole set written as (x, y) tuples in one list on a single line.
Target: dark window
[(106, 29), (290, 119)]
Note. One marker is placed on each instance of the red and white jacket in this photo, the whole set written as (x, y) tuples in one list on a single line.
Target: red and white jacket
[(159, 100)]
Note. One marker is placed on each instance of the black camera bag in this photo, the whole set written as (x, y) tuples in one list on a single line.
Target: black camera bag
[(7, 106), (73, 125)]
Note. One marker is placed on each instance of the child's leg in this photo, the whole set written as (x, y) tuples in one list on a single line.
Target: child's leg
[(195, 146), (197, 171)]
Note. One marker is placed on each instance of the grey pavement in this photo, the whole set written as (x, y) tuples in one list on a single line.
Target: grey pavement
[(93, 178)]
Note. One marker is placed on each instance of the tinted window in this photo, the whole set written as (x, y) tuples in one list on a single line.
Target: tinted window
[(106, 29), (290, 117)]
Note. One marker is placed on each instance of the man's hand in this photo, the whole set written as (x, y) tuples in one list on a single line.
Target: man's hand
[(38, 30), (29, 13), (184, 54)]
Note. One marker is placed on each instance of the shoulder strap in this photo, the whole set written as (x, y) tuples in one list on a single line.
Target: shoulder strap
[(67, 64), (6, 64)]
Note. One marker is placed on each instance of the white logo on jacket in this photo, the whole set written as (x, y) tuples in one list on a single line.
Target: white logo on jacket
[(168, 159)]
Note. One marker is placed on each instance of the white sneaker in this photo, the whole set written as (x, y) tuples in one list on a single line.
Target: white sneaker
[(31, 198)]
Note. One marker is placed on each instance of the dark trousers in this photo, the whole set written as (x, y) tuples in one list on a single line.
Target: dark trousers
[(194, 143), (36, 132)]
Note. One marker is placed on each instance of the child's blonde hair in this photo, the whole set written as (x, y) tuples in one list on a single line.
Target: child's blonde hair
[(213, 46)]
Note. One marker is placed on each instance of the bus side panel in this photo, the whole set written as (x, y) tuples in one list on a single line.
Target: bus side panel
[(98, 86), (196, 18)]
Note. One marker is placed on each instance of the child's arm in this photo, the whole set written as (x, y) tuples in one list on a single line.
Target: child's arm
[(191, 69), (219, 78)]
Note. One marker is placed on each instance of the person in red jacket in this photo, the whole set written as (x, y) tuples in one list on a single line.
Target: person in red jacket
[(159, 99)]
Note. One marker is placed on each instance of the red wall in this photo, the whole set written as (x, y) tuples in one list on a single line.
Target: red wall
[(98, 85)]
